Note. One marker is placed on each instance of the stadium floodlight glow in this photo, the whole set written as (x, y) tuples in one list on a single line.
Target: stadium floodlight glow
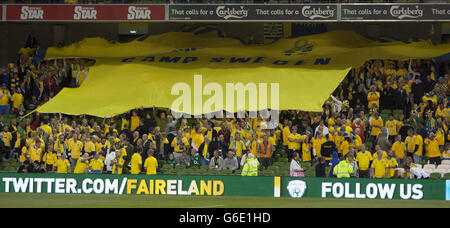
[(133, 31)]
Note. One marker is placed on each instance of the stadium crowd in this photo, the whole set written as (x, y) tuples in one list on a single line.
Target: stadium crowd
[(412, 95)]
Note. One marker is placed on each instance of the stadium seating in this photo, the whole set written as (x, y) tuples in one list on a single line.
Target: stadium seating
[(435, 176), (445, 162)]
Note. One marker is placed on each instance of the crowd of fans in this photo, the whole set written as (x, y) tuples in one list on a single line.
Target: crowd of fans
[(414, 93)]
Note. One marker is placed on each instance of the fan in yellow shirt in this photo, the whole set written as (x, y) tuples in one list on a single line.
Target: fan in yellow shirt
[(376, 123), (82, 165), (117, 163), (391, 125), (383, 153), (136, 162), (75, 147), (89, 146), (17, 98), (96, 164), (150, 163), (433, 151), (399, 149), (379, 166), (237, 146), (392, 165), (49, 158), (286, 132), (373, 98), (363, 158), (35, 152), (62, 165), (418, 140)]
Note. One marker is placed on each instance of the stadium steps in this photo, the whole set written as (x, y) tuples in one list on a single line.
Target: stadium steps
[(9, 165)]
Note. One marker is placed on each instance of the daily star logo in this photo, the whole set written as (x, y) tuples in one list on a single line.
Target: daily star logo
[(406, 12), (31, 13), (135, 13), (84, 13)]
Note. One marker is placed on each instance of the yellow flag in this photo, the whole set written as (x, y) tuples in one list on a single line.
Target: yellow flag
[(199, 74)]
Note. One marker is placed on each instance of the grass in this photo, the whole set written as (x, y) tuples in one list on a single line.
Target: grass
[(24, 200)]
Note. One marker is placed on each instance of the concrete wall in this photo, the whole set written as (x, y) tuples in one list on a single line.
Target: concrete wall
[(13, 35)]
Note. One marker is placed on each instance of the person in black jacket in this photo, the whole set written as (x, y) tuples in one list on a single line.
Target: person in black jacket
[(220, 145), (328, 147), (320, 168), (129, 148), (127, 132), (149, 122), (209, 150)]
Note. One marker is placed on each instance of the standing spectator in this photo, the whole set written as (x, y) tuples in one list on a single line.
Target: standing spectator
[(353, 163), (418, 90), (392, 165), (17, 99), (379, 166), (82, 165), (363, 158), (333, 162), (49, 158), (376, 123), (250, 167), (343, 169), (295, 140), (383, 140), (109, 158), (237, 146), (399, 149), (96, 164), (320, 167), (136, 162), (418, 150), (433, 151), (295, 169), (5, 96), (62, 165), (265, 152), (328, 148), (117, 164), (150, 164)]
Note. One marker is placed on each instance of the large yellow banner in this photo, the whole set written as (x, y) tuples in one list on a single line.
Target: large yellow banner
[(203, 73)]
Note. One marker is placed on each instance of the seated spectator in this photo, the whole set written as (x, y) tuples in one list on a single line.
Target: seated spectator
[(230, 163), (195, 160), (216, 161), (171, 161), (185, 159)]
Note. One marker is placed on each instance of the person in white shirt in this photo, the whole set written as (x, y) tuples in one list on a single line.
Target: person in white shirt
[(110, 156), (417, 173), (295, 169)]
